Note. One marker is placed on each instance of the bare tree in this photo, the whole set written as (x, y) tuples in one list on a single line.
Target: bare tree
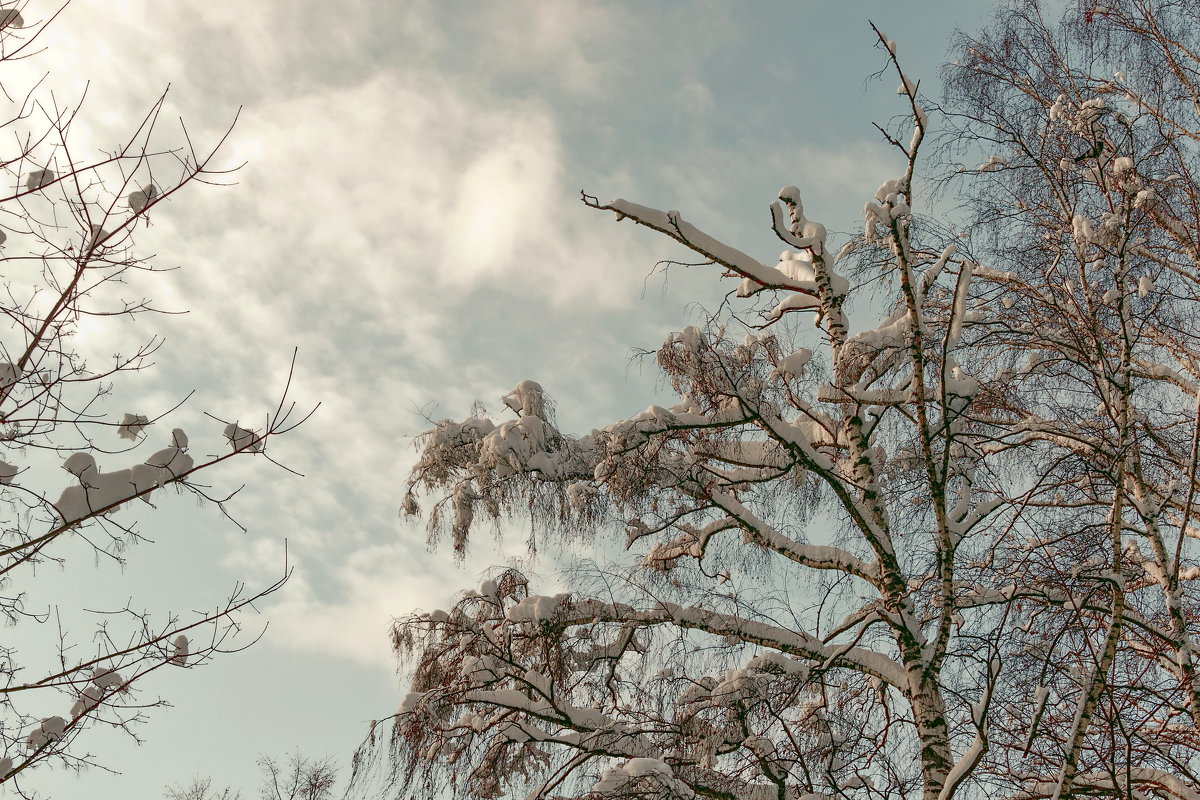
[(948, 554), (201, 789), (67, 224), (300, 778)]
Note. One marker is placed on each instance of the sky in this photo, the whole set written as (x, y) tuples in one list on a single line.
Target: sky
[(408, 217)]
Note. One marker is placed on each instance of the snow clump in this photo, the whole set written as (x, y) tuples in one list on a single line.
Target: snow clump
[(243, 439), (536, 608), (50, 729), (39, 179), (138, 200), (131, 425), (180, 650), (88, 699), (106, 678), (9, 374), (170, 463)]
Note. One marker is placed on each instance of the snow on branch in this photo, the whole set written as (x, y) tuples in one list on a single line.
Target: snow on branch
[(673, 225)]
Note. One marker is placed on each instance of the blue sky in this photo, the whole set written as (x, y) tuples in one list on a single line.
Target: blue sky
[(408, 217)]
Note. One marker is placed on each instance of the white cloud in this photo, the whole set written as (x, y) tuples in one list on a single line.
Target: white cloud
[(344, 606), (696, 98), (567, 42), (502, 200)]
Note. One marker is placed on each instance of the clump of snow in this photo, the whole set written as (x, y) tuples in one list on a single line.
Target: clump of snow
[(410, 702), (480, 670), (100, 490), (80, 464), (131, 425), (9, 374), (796, 301), (170, 463), (1091, 110), (243, 439), (645, 766), (138, 200), (39, 178), (106, 678), (1058, 111), (180, 649), (804, 232), (774, 661), (579, 493), (749, 287), (1082, 230), (993, 163), (527, 399), (1122, 166), (889, 190), (72, 504), (98, 235), (891, 206), (88, 699), (50, 729), (794, 363), (535, 608), (796, 264), (143, 477), (959, 383), (790, 194)]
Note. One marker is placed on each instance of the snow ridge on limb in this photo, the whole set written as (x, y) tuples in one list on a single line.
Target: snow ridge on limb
[(778, 639), (513, 697), (673, 225), (822, 292), (814, 556)]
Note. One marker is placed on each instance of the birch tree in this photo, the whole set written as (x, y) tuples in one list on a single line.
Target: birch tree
[(76, 475), (946, 553)]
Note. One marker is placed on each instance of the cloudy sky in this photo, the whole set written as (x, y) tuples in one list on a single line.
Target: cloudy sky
[(408, 217)]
